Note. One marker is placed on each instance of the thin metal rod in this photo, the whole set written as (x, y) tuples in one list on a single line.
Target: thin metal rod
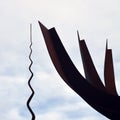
[(31, 62)]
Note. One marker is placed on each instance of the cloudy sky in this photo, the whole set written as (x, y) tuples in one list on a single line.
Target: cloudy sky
[(53, 100)]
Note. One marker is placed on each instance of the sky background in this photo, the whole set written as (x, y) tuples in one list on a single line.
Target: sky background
[(96, 20)]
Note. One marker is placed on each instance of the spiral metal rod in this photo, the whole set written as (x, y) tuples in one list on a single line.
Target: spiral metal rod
[(31, 62)]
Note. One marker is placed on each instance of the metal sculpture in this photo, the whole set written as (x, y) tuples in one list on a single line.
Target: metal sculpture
[(109, 72), (29, 81), (102, 98)]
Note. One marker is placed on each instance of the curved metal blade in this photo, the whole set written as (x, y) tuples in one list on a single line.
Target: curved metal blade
[(89, 68), (109, 72), (103, 102)]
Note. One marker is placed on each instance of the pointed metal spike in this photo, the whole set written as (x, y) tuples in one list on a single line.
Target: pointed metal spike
[(106, 44), (78, 35)]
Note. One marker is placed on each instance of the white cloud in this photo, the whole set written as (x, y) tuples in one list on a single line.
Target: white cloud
[(52, 116), (95, 20), (13, 114)]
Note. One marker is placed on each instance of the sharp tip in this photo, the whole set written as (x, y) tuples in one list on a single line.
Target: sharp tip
[(106, 43), (78, 35), (39, 22), (80, 40)]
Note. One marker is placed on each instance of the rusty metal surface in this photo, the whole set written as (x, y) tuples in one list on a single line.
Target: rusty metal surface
[(109, 72), (104, 102), (89, 68)]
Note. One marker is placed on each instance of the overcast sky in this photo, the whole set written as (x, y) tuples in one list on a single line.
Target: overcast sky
[(53, 100)]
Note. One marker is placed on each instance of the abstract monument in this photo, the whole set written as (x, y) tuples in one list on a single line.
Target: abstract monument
[(103, 98)]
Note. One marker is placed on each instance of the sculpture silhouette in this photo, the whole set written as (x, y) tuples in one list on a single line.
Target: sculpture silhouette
[(102, 98), (29, 81), (109, 72)]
